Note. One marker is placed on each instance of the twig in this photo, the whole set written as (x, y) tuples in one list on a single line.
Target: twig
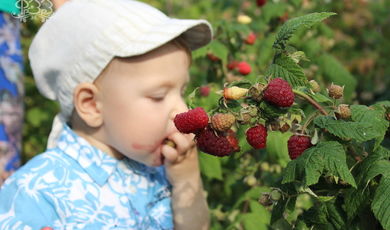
[(311, 101)]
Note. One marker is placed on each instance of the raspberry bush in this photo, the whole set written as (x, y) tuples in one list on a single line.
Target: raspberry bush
[(338, 168)]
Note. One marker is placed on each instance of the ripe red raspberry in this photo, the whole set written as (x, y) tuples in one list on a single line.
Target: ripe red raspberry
[(222, 121), (192, 120), (208, 142), (250, 40), (279, 93), (297, 145), (244, 68), (257, 136), (261, 3)]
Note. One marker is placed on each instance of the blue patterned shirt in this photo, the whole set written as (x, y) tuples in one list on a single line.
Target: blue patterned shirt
[(77, 186)]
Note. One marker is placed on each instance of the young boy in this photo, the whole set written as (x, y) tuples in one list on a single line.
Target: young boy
[(118, 69)]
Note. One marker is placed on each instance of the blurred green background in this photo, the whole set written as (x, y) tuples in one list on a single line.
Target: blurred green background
[(350, 49)]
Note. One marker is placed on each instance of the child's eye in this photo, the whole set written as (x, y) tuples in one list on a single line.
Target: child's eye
[(157, 98)]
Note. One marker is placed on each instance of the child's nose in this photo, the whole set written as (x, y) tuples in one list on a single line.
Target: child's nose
[(179, 107)]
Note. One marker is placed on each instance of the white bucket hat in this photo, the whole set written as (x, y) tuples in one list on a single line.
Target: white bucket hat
[(78, 41)]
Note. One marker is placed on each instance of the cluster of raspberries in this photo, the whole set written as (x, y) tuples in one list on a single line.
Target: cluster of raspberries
[(216, 138), (214, 135)]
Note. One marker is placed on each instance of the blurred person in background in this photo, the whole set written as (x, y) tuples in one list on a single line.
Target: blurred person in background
[(11, 87)]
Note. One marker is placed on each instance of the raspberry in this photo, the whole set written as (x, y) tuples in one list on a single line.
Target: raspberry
[(192, 120), (297, 145), (315, 86), (343, 111), (261, 3), (222, 121), (279, 93), (208, 142), (234, 93), (335, 91), (204, 90), (244, 68), (257, 136), (231, 137), (250, 39)]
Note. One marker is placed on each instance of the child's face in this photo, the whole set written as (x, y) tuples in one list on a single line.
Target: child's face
[(139, 99)]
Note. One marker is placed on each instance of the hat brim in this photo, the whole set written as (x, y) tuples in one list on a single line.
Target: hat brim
[(195, 33)]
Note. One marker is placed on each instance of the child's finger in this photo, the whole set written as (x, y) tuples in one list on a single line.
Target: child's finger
[(170, 154), (183, 142)]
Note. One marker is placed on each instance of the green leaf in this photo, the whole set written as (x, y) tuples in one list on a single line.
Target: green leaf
[(210, 166), (329, 156), (277, 149), (359, 131), (355, 200), (200, 53), (264, 215), (381, 203), (292, 25), (321, 98), (272, 10), (335, 72), (375, 116), (219, 50), (376, 163), (286, 68), (251, 222), (325, 216)]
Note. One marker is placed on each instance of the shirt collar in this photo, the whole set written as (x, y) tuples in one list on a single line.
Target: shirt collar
[(95, 162), (98, 164)]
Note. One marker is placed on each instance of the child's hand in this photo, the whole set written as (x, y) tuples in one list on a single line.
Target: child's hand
[(181, 160)]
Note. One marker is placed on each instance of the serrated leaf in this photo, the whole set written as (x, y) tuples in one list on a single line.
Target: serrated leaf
[(325, 216), (359, 131), (371, 166), (288, 29), (286, 68), (354, 201), (375, 116), (329, 156), (381, 203), (376, 163)]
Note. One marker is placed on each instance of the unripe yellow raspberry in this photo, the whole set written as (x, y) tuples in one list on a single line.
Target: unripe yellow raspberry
[(234, 93)]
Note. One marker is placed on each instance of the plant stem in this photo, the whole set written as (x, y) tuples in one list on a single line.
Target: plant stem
[(308, 121), (311, 101)]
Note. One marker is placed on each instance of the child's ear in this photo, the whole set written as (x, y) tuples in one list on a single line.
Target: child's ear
[(87, 105)]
